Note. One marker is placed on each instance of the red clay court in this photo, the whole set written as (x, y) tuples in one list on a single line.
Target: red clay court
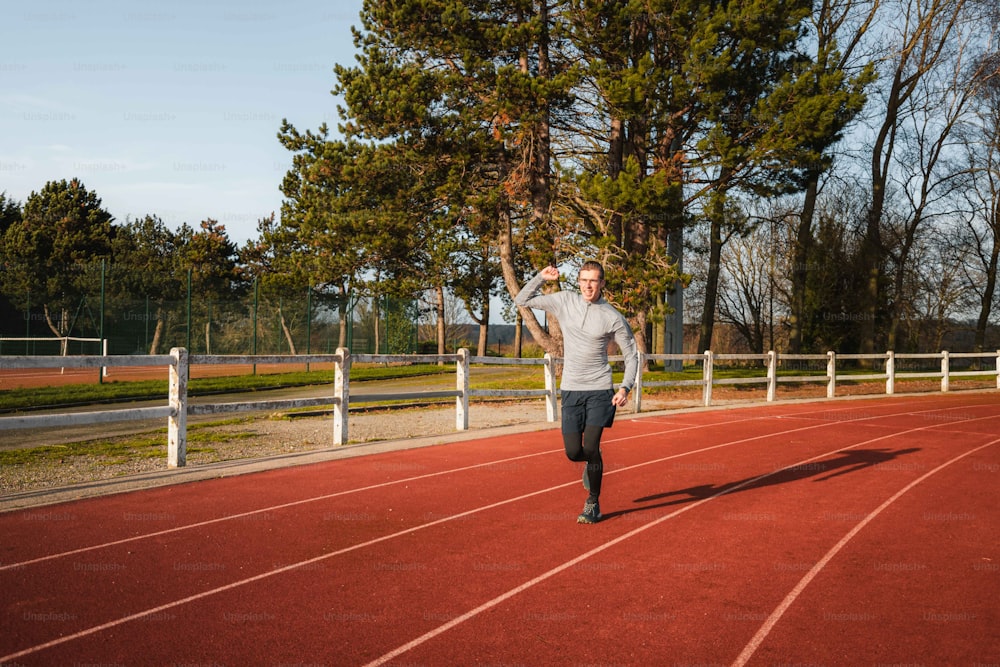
[(847, 532)]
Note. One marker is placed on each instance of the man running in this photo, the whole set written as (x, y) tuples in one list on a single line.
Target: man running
[(589, 323)]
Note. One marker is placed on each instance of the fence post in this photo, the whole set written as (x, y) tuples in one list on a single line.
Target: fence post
[(341, 395), (706, 377), (637, 389), (177, 421), (551, 395), (945, 370), (890, 372), (831, 374), (462, 385), (772, 375)]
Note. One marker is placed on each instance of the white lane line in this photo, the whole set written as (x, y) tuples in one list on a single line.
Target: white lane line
[(384, 538), (431, 634), (270, 573), (263, 510), (264, 575), (779, 611)]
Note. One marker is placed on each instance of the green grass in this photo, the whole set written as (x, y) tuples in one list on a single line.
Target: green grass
[(112, 451)]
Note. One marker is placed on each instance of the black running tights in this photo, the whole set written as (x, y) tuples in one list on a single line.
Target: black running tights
[(586, 446)]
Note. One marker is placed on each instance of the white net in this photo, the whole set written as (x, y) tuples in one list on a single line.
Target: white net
[(50, 345)]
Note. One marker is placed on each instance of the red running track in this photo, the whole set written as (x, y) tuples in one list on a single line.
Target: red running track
[(859, 532)]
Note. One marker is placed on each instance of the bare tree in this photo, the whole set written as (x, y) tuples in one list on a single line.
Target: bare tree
[(747, 281), (920, 35), (939, 288), (755, 272), (922, 172), (979, 234), (445, 314)]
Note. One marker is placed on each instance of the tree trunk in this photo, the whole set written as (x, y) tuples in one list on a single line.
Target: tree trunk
[(801, 253), (161, 323), (342, 329), (639, 329), (518, 336), (672, 236), (716, 214), (986, 301), (286, 331), (442, 335), (484, 330), (550, 342), (60, 328)]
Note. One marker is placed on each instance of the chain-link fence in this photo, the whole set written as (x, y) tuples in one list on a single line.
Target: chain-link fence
[(259, 320)]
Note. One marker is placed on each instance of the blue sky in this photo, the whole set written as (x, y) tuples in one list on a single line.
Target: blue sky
[(170, 109)]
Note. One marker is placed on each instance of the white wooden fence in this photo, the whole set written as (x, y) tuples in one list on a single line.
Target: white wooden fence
[(772, 360), (178, 407), (179, 362)]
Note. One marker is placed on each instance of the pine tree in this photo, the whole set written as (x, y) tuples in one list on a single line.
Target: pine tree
[(143, 267), (696, 100), (459, 95), (54, 252)]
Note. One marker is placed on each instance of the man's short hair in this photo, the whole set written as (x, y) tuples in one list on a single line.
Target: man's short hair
[(592, 265)]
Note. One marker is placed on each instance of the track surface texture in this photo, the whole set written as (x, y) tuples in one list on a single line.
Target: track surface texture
[(860, 532)]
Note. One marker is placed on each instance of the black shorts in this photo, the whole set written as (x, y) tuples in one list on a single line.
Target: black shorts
[(587, 408)]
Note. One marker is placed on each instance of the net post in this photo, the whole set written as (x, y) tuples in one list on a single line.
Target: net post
[(177, 422)]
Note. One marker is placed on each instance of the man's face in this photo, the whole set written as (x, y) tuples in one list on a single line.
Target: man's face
[(591, 284)]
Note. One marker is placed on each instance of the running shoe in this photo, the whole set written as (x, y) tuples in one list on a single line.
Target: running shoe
[(591, 513)]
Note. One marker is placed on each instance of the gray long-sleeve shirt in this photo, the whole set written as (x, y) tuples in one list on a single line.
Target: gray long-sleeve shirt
[(587, 329)]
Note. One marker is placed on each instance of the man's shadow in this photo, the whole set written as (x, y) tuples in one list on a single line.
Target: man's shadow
[(820, 471)]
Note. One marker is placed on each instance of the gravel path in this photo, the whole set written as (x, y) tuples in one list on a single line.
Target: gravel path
[(263, 436)]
